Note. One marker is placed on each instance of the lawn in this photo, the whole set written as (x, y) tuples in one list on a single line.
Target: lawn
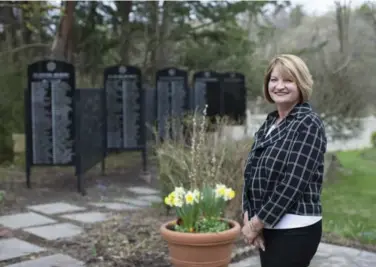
[(350, 202)]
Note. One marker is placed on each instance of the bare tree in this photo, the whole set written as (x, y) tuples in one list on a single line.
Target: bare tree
[(62, 47)]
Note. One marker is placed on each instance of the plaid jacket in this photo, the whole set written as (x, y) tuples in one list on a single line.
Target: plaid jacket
[(284, 171)]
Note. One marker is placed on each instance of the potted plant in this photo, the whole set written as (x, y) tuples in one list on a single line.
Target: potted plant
[(200, 236)]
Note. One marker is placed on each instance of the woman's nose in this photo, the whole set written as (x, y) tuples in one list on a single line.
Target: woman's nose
[(280, 85)]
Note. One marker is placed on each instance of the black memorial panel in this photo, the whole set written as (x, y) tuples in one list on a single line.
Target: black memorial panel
[(124, 104), (172, 98), (49, 120), (234, 96), (207, 90), (90, 128)]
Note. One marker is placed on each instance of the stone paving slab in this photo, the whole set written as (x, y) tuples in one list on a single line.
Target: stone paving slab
[(366, 258), (57, 260), (135, 202), (22, 220), (14, 248), (327, 256), (151, 198), (87, 217), (55, 208), (143, 190), (249, 262), (55, 231), (115, 206)]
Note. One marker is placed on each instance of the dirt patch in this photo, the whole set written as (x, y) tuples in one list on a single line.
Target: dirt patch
[(51, 184)]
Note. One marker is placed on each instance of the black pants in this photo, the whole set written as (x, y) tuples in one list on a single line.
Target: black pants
[(290, 247)]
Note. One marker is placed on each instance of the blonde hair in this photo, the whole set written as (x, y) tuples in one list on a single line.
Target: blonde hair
[(292, 67)]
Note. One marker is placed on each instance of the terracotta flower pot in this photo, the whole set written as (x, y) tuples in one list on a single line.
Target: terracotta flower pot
[(200, 249)]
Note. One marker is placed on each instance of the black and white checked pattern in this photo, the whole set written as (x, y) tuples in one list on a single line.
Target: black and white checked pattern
[(284, 170)]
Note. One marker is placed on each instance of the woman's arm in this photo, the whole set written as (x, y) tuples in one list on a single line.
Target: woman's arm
[(245, 169), (306, 154)]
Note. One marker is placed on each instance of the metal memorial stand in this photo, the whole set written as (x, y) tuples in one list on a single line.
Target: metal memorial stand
[(234, 96), (49, 113), (207, 90), (172, 101), (125, 113), (62, 124)]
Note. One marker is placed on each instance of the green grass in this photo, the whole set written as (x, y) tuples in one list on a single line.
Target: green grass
[(350, 202)]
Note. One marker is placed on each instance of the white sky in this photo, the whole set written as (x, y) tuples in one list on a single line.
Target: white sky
[(320, 7), (316, 7)]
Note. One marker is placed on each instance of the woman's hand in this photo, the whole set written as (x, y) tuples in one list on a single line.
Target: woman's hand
[(248, 231), (259, 242)]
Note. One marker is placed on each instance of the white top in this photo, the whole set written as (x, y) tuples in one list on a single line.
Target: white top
[(289, 220)]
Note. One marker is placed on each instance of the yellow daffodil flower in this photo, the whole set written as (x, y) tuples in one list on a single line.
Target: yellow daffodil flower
[(229, 194)]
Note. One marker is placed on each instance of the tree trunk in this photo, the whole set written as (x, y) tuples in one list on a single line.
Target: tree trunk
[(154, 22), (163, 45), (343, 22), (62, 47), (125, 8), (10, 25)]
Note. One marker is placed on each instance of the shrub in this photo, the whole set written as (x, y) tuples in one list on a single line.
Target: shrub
[(373, 139), (6, 128), (209, 159), (6, 145)]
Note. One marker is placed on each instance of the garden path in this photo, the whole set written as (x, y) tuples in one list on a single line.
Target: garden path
[(61, 220)]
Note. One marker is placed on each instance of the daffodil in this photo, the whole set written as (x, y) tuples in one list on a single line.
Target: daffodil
[(167, 201), (196, 195), (220, 190), (229, 194), (189, 198), (170, 199), (178, 202), (179, 193)]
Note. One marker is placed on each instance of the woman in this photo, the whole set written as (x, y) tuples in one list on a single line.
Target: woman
[(284, 171)]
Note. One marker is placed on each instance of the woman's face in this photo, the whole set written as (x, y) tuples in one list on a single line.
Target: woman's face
[(282, 89)]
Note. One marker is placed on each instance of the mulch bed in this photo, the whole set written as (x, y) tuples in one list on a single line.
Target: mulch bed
[(130, 239)]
